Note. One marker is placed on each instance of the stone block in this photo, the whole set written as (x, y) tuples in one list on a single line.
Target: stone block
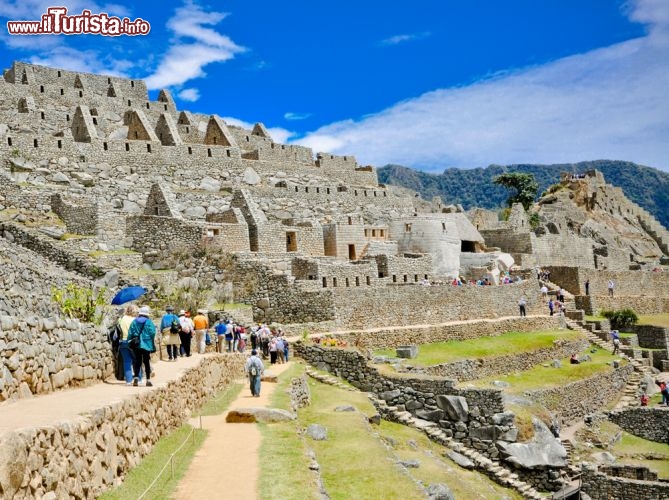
[(407, 351), (456, 407)]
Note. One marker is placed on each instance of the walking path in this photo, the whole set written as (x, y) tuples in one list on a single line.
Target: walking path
[(68, 404), (228, 463)]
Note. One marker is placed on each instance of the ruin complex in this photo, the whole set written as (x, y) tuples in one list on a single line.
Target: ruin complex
[(101, 185)]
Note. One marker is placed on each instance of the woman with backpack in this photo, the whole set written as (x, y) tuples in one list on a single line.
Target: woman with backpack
[(141, 340), (254, 368)]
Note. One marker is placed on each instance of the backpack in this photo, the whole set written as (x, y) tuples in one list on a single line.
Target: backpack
[(254, 370), (175, 326)]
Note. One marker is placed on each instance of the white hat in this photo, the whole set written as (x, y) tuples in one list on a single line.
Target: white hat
[(182, 312), (144, 311)]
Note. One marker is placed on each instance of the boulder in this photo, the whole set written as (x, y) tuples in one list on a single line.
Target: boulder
[(604, 457), (85, 179), (407, 351), (131, 207), (543, 450), (59, 178), (13, 460), (504, 418), (456, 407), (52, 231), (195, 212), (210, 184), (317, 432), (344, 408), (264, 415), (410, 464), (439, 491), (251, 177)]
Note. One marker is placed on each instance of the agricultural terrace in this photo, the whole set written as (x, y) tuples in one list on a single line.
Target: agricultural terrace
[(486, 347)]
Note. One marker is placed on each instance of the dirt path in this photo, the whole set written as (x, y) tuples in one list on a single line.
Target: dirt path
[(228, 463)]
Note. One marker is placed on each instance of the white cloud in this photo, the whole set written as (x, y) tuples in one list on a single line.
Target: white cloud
[(296, 116), (193, 47), (29, 10), (190, 95), (280, 135), (88, 61), (607, 103), (397, 39)]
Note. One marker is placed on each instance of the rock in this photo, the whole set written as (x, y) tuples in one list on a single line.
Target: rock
[(265, 415), (543, 450), (262, 303), (317, 432), (439, 491), (461, 460), (210, 184), (556, 363), (390, 395), (13, 460), (250, 177), (410, 464), (85, 179), (500, 383), (504, 418), (456, 407), (110, 279), (375, 419), (59, 178), (407, 351), (52, 231), (131, 207), (195, 212), (269, 377), (344, 408)]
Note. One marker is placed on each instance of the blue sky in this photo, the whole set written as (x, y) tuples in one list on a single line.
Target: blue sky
[(430, 84)]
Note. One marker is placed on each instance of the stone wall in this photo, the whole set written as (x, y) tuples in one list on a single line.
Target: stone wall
[(81, 218), (300, 394), (573, 401), (405, 305), (471, 369), (651, 337), (88, 455), (641, 304), (480, 423), (646, 422), (600, 486), (627, 283), (40, 355)]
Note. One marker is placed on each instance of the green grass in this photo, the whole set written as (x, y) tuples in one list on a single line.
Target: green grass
[(219, 403), (124, 251), (544, 377), (484, 347), (434, 468), (283, 453), (654, 319), (139, 478)]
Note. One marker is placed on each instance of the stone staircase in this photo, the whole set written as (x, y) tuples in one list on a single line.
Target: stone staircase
[(630, 394)]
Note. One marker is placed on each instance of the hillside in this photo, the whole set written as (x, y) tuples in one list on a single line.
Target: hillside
[(646, 186)]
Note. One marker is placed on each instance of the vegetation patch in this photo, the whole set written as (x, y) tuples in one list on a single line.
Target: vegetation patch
[(661, 320), (486, 347), (140, 477), (544, 376)]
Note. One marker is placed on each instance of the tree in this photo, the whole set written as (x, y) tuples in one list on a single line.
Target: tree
[(524, 184)]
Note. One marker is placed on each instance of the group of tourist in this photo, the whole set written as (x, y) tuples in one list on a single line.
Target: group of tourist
[(137, 340)]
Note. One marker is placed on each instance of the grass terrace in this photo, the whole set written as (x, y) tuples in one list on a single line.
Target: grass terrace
[(654, 319), (544, 376), (486, 347)]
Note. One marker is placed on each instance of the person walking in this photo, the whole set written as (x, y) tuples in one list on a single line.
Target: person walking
[(186, 333), (587, 286), (144, 331), (551, 307), (169, 329), (254, 369), (612, 285), (279, 350), (272, 350), (522, 303), (126, 353), (615, 338), (221, 328), (201, 324)]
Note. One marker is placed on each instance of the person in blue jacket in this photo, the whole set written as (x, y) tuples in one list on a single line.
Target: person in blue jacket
[(143, 329)]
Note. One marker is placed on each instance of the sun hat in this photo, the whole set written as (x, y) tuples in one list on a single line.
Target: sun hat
[(169, 308), (144, 311), (182, 312)]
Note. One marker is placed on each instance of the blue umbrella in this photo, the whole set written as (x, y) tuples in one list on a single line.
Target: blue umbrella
[(128, 294)]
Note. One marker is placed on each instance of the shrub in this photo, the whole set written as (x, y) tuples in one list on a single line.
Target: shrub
[(80, 302), (622, 318)]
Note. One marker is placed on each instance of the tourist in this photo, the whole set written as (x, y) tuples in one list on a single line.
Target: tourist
[(220, 327), (254, 369), (186, 333), (644, 399), (574, 360), (612, 285), (169, 328), (587, 286), (615, 338), (664, 391), (285, 347), (201, 324), (561, 314), (522, 303), (264, 340), (272, 350), (236, 338), (279, 350), (560, 294), (229, 335), (544, 292), (142, 328), (126, 353), (254, 338), (551, 306)]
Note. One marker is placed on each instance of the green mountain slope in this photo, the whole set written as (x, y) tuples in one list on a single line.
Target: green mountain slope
[(645, 186)]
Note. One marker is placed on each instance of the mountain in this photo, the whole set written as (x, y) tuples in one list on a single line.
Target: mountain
[(645, 186)]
